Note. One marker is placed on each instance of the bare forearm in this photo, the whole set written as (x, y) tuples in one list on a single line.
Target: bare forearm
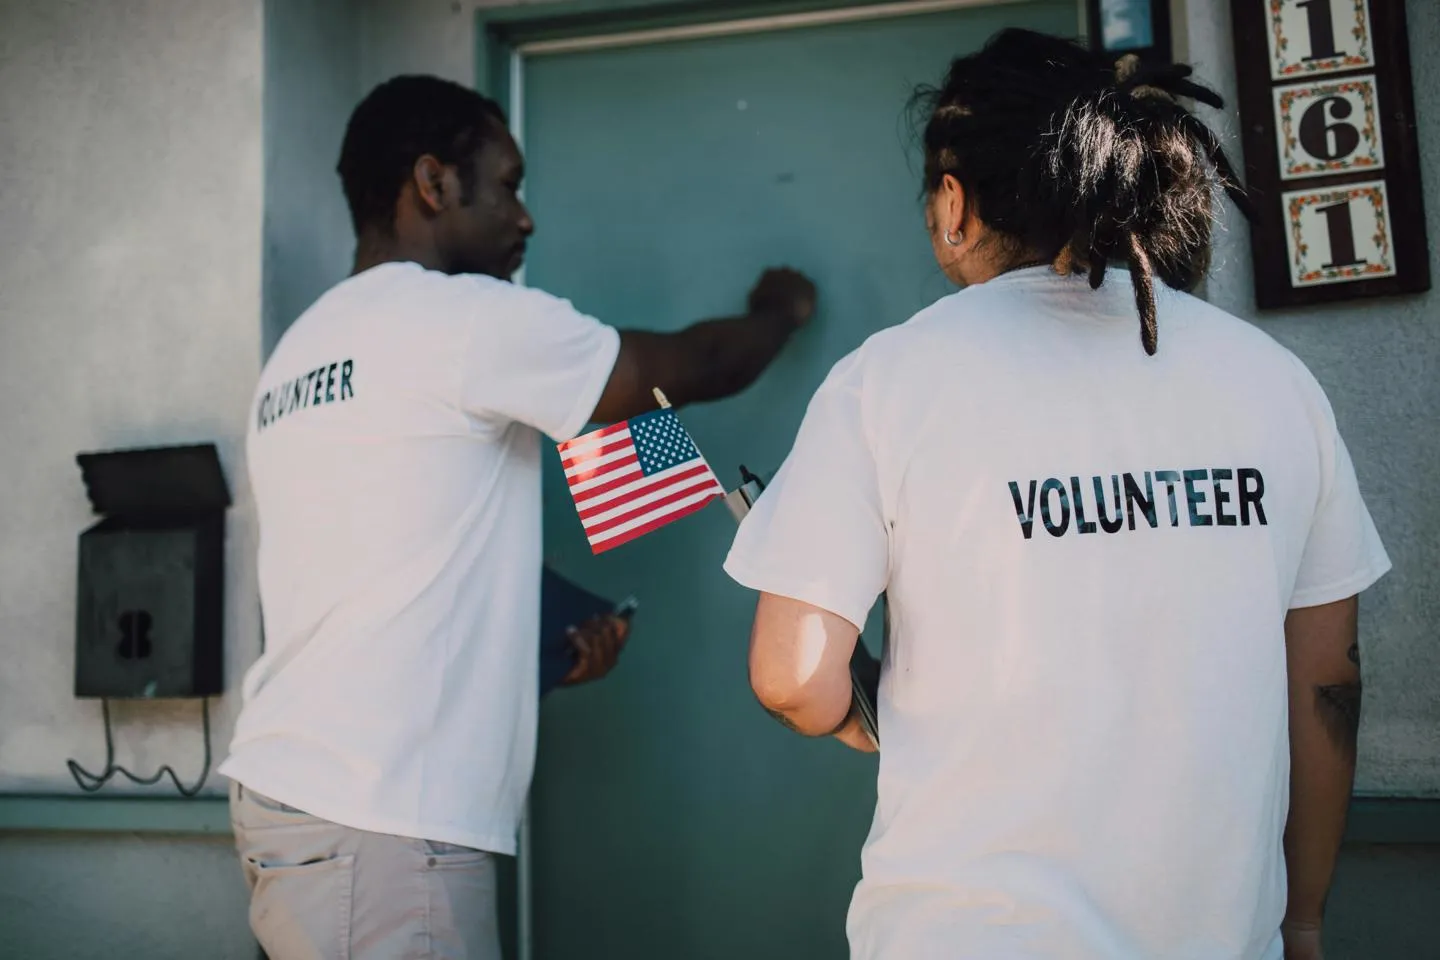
[(853, 735), (707, 360), (719, 358), (1324, 723)]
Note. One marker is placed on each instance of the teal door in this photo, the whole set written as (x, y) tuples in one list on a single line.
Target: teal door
[(671, 818)]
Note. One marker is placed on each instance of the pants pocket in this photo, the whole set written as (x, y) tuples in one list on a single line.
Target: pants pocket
[(439, 848), (303, 911), (460, 903), (271, 805)]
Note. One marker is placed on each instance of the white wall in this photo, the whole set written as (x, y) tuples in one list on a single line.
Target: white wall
[(1380, 364), (130, 193), (130, 314)]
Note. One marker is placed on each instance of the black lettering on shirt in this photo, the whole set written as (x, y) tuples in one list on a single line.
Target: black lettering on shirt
[(1250, 497), (1194, 498), (1146, 500), (1170, 478), (1106, 524), (1025, 512), (1051, 527), (1081, 524), (1116, 511), (1222, 496), (313, 389)]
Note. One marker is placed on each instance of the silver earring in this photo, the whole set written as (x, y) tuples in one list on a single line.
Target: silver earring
[(956, 240)]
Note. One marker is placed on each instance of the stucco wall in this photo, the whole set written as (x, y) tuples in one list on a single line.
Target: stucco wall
[(1380, 364), (130, 193), (133, 188)]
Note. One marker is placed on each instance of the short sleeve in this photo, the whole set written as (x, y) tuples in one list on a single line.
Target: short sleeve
[(1343, 554), (818, 534), (534, 358)]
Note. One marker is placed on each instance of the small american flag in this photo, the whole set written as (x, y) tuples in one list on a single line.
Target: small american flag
[(635, 477)]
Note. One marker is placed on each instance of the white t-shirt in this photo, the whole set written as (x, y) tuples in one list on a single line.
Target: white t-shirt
[(1089, 555), (394, 455)]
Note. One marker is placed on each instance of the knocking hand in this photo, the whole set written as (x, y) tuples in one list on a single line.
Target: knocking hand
[(784, 292)]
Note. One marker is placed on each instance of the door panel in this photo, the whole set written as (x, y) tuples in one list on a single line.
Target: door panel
[(671, 817)]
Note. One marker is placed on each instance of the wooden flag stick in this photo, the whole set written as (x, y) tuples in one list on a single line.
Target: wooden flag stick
[(660, 398)]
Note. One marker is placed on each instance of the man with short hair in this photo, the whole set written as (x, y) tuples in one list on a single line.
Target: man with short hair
[(387, 740)]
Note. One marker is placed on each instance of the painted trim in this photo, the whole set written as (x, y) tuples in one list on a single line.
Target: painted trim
[(731, 27), (500, 30), (201, 816), (1371, 819), (1379, 820)]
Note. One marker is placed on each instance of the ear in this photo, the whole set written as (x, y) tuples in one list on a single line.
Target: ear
[(952, 211), (430, 184)]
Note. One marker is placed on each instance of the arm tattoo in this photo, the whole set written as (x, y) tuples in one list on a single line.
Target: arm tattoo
[(785, 721), (1339, 707), (789, 724)]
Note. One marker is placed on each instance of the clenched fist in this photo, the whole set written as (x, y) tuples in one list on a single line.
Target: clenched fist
[(785, 293)]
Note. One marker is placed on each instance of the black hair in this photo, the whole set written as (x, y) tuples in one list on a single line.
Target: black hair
[(400, 121), (1065, 151)]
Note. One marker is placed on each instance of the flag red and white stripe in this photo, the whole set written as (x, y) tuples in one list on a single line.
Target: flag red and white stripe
[(634, 477)]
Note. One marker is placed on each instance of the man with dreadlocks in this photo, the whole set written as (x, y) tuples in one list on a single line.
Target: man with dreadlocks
[(1119, 703)]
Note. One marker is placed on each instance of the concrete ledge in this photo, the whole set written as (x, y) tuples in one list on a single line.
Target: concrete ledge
[(205, 815), (1390, 820), (1372, 819)]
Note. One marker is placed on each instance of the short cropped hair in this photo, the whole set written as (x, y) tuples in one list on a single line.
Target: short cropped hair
[(400, 121)]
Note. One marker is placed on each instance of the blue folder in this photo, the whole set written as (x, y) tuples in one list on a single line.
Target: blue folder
[(562, 605)]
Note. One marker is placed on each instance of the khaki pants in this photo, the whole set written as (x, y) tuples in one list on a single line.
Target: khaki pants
[(320, 890)]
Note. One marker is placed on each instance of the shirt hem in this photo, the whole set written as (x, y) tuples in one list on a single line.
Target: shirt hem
[(1341, 590), (747, 576), (357, 820)]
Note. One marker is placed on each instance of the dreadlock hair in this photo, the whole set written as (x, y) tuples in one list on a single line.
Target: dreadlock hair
[(400, 121), (1068, 155)]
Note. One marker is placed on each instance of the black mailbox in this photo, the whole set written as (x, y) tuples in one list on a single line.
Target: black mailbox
[(149, 612)]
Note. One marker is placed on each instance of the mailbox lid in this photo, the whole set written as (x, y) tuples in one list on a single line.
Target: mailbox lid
[(155, 480)]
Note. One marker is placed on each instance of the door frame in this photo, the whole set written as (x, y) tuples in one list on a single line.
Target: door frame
[(506, 36)]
